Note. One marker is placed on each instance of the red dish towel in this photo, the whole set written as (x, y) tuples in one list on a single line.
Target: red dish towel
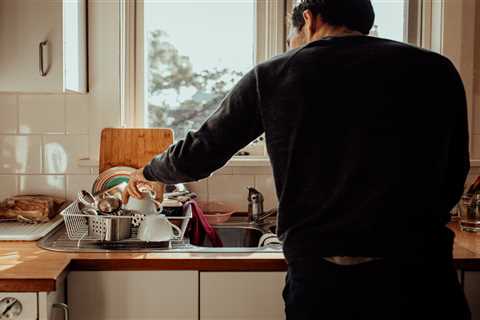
[(199, 227)]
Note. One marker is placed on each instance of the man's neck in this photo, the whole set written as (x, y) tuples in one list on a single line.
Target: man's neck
[(328, 31)]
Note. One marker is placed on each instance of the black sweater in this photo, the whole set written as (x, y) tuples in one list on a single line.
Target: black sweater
[(368, 140)]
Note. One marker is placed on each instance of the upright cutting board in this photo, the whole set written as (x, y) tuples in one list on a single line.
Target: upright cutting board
[(132, 147)]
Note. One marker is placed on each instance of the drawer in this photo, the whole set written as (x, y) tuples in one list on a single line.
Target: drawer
[(28, 302)]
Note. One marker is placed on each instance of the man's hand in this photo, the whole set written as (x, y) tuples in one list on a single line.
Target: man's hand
[(137, 183)]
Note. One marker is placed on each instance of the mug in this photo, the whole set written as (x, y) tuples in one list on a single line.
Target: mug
[(158, 228), (146, 205)]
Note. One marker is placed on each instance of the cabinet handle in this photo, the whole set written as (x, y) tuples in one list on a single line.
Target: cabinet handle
[(64, 307), (42, 45)]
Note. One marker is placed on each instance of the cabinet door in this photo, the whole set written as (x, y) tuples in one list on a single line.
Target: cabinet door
[(472, 291), (133, 295), (241, 295), (23, 26), (48, 302)]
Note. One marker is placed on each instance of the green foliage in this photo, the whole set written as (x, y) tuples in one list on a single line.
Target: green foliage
[(172, 73)]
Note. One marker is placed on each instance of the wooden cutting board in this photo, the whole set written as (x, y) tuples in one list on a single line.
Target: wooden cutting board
[(132, 147)]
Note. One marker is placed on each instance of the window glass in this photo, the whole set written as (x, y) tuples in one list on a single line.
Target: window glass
[(195, 51)]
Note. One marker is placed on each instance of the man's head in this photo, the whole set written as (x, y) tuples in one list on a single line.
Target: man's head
[(314, 18)]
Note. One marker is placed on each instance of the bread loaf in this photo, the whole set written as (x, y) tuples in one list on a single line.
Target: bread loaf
[(34, 208)]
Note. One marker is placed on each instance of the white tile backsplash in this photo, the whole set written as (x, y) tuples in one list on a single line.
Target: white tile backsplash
[(476, 147), (8, 113), (476, 113), (41, 114), (8, 186), (61, 154), (20, 154), (42, 184), (231, 190), (266, 185), (76, 183), (76, 114)]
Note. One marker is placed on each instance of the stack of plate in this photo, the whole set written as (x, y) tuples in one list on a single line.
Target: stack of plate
[(111, 178)]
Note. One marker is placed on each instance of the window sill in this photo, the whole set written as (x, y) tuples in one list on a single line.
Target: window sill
[(249, 161)]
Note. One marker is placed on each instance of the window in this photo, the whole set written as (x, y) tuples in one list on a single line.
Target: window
[(188, 54)]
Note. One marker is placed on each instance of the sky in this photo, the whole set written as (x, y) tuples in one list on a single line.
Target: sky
[(221, 32)]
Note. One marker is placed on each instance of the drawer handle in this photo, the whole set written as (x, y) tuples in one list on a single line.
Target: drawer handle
[(41, 46), (64, 307)]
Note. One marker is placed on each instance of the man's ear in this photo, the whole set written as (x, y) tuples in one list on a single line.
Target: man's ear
[(310, 26)]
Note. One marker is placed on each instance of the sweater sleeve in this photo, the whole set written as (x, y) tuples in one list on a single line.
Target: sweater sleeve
[(458, 151), (232, 126)]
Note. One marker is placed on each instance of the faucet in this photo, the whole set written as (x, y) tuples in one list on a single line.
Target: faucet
[(255, 207)]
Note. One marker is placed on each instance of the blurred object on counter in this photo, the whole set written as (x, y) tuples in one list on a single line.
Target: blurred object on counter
[(31, 208), (470, 213)]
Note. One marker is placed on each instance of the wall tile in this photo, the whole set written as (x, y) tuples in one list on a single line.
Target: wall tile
[(61, 153), (266, 185), (42, 113), (231, 190), (77, 117), (43, 184), (8, 113), (253, 170), (476, 114), (475, 152), (20, 154), (8, 186), (76, 183), (223, 171)]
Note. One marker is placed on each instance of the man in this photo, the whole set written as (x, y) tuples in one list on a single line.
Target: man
[(368, 141)]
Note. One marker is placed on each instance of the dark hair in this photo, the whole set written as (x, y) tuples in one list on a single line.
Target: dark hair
[(357, 15)]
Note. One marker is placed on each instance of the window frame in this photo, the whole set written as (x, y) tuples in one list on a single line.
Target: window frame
[(269, 41)]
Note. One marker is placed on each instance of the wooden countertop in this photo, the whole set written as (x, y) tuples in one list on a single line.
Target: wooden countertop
[(26, 268)]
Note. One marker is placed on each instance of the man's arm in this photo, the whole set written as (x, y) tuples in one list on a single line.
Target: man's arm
[(236, 123)]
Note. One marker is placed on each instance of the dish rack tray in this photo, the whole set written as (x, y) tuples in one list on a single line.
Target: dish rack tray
[(81, 227)]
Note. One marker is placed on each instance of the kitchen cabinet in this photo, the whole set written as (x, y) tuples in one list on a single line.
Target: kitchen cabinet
[(241, 295), (471, 286), (133, 295), (43, 46), (35, 305)]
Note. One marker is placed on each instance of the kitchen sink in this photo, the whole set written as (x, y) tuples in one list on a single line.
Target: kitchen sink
[(237, 236)]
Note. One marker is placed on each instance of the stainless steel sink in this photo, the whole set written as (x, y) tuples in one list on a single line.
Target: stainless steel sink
[(237, 236)]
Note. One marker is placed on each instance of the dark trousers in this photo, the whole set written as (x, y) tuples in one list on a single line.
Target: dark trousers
[(382, 289)]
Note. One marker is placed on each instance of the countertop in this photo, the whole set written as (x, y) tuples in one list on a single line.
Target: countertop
[(24, 267)]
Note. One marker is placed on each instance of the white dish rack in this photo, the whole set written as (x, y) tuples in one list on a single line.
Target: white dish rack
[(82, 227)]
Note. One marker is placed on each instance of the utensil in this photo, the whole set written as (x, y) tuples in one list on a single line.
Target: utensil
[(158, 228), (109, 205), (90, 211), (87, 199)]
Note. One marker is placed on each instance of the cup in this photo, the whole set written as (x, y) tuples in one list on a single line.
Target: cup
[(158, 228), (147, 205)]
